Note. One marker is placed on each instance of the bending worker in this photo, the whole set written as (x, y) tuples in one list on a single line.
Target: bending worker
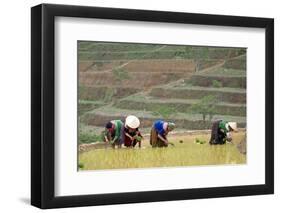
[(132, 135), (114, 133), (159, 133), (221, 132)]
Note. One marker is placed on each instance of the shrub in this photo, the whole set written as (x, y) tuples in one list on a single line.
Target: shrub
[(98, 64), (206, 106), (109, 93), (89, 137), (216, 84), (164, 111), (197, 54), (120, 74)]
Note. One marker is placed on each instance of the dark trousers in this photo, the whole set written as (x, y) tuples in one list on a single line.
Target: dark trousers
[(217, 137)]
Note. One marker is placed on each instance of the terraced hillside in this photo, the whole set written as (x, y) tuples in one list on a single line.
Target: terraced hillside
[(160, 81)]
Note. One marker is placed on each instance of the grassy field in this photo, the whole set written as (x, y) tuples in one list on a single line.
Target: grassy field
[(185, 152)]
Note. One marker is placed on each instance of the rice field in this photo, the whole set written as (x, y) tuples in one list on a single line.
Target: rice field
[(185, 152)]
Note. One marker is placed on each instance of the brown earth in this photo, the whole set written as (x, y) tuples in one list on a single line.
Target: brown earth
[(167, 65), (84, 65), (105, 93), (132, 79), (207, 81), (104, 65)]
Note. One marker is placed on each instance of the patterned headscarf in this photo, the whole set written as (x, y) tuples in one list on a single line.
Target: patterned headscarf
[(171, 126)]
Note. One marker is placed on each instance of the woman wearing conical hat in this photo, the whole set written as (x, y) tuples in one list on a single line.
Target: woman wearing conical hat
[(221, 132), (132, 135), (159, 133)]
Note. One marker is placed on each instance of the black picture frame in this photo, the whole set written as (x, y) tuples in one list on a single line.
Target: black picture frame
[(43, 105)]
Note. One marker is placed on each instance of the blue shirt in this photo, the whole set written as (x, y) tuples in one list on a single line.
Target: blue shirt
[(159, 127)]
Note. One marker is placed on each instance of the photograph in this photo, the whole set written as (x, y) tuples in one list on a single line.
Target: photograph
[(143, 105), (132, 105)]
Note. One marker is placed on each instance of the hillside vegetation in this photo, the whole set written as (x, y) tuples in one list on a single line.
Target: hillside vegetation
[(191, 86)]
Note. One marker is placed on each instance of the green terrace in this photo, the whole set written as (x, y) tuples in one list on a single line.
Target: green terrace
[(123, 51), (225, 72), (133, 79), (100, 116), (237, 63), (105, 93), (114, 47), (223, 94), (152, 65), (86, 105), (221, 77), (127, 47), (155, 54), (191, 86), (99, 65), (147, 103)]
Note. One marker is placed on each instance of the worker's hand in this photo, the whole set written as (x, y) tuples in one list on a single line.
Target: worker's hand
[(228, 137)]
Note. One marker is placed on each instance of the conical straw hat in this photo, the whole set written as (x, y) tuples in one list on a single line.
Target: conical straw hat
[(233, 126), (132, 121)]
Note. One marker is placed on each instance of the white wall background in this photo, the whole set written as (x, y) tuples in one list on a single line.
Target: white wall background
[(15, 105)]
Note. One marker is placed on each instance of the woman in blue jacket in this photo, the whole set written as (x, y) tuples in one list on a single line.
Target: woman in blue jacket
[(159, 132)]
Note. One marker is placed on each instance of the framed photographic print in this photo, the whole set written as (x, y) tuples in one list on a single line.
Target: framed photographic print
[(140, 106)]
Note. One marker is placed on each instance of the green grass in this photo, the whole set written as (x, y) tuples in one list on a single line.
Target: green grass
[(88, 134), (86, 137), (216, 83), (164, 111), (115, 47), (120, 74), (113, 51), (140, 98), (174, 106), (186, 152), (223, 94), (215, 80), (225, 72), (112, 111), (220, 89), (87, 105)]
